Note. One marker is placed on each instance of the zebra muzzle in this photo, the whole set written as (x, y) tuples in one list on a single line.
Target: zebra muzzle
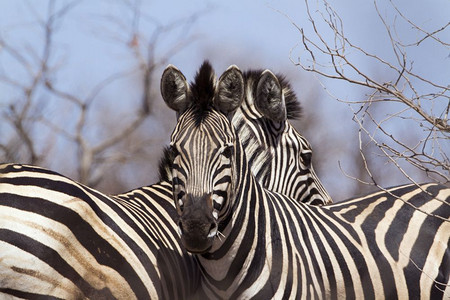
[(197, 226)]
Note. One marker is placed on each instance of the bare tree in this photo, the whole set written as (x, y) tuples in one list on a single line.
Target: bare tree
[(401, 95), (21, 113), (30, 133)]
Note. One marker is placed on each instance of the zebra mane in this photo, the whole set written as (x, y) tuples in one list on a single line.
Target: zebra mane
[(165, 165), (202, 91), (293, 107)]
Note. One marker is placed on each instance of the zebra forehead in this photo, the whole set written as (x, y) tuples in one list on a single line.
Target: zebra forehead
[(214, 129)]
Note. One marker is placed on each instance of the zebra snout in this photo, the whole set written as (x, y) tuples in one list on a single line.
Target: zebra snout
[(197, 236), (212, 230), (197, 226)]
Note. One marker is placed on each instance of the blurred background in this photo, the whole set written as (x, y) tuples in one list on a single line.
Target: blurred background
[(79, 83)]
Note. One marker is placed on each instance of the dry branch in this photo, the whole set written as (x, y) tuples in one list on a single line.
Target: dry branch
[(93, 155), (331, 53)]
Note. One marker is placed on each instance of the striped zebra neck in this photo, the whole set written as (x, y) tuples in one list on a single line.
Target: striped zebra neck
[(61, 239), (390, 244), (273, 154), (224, 265)]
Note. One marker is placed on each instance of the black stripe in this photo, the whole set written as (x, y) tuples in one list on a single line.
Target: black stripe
[(219, 193), (224, 179), (424, 242), (260, 255), (49, 256), (27, 295), (369, 226), (271, 285), (103, 252), (442, 278), (397, 230), (17, 168)]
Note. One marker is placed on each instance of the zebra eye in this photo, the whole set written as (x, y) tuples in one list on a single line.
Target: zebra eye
[(306, 157), (227, 152)]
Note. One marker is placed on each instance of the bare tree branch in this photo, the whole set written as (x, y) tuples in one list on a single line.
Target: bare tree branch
[(332, 54), (93, 153)]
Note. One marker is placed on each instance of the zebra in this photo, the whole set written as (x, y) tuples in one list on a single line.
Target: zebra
[(254, 243), (279, 156), (133, 248), (61, 239)]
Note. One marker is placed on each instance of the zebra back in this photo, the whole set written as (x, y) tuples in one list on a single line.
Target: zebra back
[(61, 239)]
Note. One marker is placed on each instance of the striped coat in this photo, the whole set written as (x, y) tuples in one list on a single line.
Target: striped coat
[(61, 239)]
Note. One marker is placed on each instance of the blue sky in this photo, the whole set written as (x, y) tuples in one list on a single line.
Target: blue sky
[(259, 32)]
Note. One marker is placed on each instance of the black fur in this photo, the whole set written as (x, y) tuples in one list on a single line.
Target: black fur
[(165, 164), (202, 91)]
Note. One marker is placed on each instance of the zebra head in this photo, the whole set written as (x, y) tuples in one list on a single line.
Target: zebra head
[(279, 156), (203, 149)]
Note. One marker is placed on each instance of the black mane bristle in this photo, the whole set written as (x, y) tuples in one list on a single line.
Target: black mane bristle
[(165, 164), (293, 106), (202, 89)]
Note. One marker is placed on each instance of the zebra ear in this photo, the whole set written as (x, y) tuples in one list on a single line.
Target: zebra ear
[(174, 89), (269, 97), (229, 90)]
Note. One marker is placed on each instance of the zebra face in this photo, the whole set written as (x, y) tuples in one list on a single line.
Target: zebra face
[(202, 183), (203, 150), (281, 158), (304, 185)]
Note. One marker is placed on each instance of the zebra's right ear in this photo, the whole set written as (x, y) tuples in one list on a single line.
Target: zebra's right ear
[(174, 89), (269, 97)]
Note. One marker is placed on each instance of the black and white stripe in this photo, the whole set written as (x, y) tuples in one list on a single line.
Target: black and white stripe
[(64, 240), (391, 244), (98, 245), (279, 156)]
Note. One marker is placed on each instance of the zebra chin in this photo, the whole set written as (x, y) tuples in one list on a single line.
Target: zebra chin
[(196, 247), (197, 243)]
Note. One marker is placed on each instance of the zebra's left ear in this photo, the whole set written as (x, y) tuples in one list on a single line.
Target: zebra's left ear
[(229, 90), (175, 89), (269, 97)]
